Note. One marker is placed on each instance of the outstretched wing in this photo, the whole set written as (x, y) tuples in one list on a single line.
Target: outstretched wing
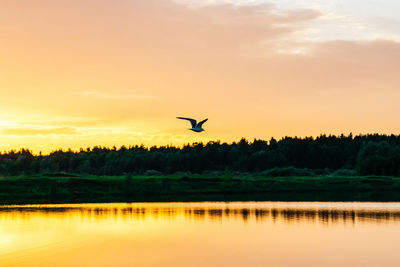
[(201, 123), (192, 121)]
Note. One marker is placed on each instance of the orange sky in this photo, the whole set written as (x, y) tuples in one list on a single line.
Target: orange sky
[(80, 73)]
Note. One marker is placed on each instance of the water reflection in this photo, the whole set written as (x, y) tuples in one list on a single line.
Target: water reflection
[(201, 234), (285, 212)]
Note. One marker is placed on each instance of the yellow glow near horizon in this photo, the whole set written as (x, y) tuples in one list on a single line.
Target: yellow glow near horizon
[(84, 73), (4, 123)]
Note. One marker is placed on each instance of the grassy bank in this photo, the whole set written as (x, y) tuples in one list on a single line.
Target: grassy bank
[(65, 188)]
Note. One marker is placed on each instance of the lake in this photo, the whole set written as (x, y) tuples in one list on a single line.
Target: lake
[(201, 234)]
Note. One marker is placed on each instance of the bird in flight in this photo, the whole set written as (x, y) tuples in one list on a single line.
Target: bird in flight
[(196, 127)]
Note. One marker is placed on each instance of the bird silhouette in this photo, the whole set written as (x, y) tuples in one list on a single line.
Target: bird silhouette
[(196, 127)]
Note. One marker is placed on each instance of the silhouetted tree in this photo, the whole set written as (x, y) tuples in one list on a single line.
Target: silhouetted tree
[(368, 154)]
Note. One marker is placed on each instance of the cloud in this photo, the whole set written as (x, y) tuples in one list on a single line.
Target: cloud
[(40, 131), (115, 96), (221, 30)]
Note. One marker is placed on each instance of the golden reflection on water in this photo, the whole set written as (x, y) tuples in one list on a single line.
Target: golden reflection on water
[(201, 234), (288, 212)]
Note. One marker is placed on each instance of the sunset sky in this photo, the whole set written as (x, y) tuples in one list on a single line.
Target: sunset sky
[(79, 73)]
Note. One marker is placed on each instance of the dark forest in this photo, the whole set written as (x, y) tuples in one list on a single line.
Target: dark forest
[(343, 155)]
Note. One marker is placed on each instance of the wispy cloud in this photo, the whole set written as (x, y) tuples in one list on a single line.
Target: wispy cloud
[(40, 131), (104, 95)]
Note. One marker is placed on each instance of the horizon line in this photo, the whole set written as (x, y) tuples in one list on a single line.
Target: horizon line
[(148, 147)]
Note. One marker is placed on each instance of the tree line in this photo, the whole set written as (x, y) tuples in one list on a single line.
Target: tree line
[(372, 154)]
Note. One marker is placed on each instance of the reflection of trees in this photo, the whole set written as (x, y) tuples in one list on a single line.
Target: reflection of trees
[(287, 215)]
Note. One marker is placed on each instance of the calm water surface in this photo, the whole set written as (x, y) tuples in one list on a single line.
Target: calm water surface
[(201, 234)]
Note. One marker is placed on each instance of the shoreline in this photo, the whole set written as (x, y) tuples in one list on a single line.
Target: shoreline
[(52, 189)]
